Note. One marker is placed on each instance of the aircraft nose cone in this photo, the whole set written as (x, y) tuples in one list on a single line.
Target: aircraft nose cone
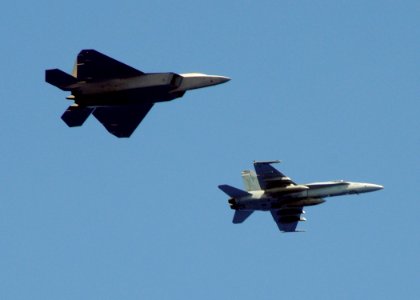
[(192, 81), (374, 187), (208, 80), (219, 79), (379, 187)]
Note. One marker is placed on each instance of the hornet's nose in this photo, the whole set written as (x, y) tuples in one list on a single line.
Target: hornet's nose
[(192, 81), (373, 187)]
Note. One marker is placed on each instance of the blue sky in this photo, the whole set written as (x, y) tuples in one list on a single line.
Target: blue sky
[(329, 87)]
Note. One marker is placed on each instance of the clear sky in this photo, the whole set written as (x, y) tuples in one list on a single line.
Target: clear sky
[(331, 88)]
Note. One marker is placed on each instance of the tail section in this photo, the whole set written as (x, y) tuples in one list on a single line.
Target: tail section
[(241, 215), (59, 79), (232, 191), (250, 181)]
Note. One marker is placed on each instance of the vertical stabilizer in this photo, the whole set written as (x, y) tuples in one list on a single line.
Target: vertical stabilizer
[(74, 71), (250, 181)]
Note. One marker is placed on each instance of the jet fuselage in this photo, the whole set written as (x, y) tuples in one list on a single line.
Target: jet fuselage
[(306, 195), (153, 87)]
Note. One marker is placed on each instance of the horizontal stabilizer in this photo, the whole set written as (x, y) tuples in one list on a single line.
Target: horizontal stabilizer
[(241, 215), (75, 115), (59, 79), (232, 191)]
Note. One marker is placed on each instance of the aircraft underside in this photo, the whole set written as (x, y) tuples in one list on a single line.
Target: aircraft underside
[(270, 204)]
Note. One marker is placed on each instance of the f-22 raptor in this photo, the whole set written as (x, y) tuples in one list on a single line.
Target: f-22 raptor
[(267, 189), (118, 95)]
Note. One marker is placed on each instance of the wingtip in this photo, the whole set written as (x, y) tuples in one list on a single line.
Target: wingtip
[(267, 161)]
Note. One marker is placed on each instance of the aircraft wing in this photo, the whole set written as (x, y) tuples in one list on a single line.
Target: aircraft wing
[(269, 177), (121, 121), (287, 218), (93, 65)]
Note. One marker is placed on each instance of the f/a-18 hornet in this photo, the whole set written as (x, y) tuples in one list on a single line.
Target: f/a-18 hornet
[(267, 189), (118, 95)]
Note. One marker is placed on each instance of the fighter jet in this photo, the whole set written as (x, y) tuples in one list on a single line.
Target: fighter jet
[(118, 95), (267, 189)]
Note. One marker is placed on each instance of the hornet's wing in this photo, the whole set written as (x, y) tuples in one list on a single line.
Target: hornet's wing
[(287, 218), (269, 177), (121, 121), (92, 65)]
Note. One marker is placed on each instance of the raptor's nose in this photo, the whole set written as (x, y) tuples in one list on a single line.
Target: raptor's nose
[(192, 81)]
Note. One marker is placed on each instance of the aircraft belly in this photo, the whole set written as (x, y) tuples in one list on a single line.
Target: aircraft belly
[(164, 80), (305, 202), (126, 97), (268, 203), (328, 191), (255, 204)]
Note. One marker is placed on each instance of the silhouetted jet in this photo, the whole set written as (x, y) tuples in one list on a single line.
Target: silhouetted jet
[(270, 190), (118, 95)]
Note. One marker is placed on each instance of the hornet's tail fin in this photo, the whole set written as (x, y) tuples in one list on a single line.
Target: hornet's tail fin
[(250, 180), (59, 79), (232, 191)]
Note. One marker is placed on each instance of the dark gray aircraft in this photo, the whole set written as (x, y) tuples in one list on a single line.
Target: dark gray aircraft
[(270, 190), (118, 95)]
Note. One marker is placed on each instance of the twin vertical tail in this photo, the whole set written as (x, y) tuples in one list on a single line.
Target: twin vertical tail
[(250, 180), (240, 215)]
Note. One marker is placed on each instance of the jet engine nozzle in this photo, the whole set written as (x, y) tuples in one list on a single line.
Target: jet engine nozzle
[(232, 201)]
